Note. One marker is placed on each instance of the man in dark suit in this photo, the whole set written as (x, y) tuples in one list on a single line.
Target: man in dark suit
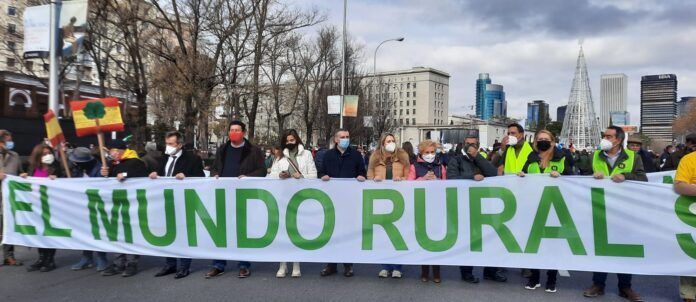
[(180, 164)]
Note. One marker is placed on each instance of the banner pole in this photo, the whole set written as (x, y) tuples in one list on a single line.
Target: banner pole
[(100, 139), (53, 59), (61, 150)]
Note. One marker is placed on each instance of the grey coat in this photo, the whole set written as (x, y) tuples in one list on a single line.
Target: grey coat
[(10, 163), (463, 167)]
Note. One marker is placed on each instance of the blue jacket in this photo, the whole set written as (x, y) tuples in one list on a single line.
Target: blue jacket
[(347, 165)]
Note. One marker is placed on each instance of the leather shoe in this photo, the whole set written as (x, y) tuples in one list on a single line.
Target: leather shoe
[(594, 291), (244, 273), (214, 272), (348, 270), (630, 295), (11, 261), (328, 271), (182, 273), (166, 271), (470, 278), (497, 277)]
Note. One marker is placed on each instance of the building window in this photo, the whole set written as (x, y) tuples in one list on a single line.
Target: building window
[(11, 11), (408, 94), (406, 121), (46, 66), (29, 65), (414, 85), (401, 121), (408, 85), (11, 28), (414, 94), (408, 103), (11, 45), (407, 112), (413, 121), (394, 111), (414, 111), (414, 101), (401, 112), (11, 62)]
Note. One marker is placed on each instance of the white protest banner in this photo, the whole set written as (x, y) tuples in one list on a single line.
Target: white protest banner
[(568, 223), (666, 177)]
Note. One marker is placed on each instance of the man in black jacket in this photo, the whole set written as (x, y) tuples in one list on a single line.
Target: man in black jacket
[(469, 164), (236, 158), (180, 164)]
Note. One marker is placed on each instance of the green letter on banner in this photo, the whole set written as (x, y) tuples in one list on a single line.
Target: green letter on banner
[(452, 222), (329, 219), (194, 207), (169, 214), (385, 220), (601, 238), (18, 205), (243, 196), (96, 207), (685, 240), (50, 230), (496, 221), (552, 197)]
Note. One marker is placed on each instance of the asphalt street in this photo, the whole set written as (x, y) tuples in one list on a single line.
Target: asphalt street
[(16, 284)]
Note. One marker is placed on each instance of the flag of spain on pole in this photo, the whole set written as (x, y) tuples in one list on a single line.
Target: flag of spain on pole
[(88, 122), (53, 131)]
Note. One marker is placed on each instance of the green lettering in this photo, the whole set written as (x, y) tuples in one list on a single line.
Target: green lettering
[(96, 208), (452, 222), (169, 214), (552, 197), (667, 179), (496, 221), (194, 207), (243, 196), (18, 205), (599, 220), (50, 230), (385, 220), (685, 240), (329, 219)]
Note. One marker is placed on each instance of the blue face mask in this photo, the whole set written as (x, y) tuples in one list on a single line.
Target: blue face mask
[(9, 145), (344, 143)]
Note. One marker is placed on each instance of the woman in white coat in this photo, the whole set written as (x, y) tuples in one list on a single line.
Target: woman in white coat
[(297, 162)]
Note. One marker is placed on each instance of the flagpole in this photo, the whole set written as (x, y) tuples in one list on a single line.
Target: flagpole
[(61, 151), (53, 60)]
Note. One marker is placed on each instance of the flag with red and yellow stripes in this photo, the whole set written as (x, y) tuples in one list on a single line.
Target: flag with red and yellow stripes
[(111, 121), (53, 131)]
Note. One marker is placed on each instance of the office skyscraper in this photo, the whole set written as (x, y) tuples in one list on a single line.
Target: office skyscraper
[(560, 113), (612, 96), (658, 97), (537, 115), (490, 98)]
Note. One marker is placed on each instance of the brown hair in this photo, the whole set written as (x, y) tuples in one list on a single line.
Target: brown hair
[(545, 159), (35, 157), (380, 152), (425, 144)]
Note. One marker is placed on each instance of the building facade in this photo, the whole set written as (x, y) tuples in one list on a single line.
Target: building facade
[(537, 115), (658, 97), (686, 104), (612, 96), (560, 113), (483, 80), (490, 98)]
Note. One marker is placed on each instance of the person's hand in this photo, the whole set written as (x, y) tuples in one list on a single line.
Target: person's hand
[(360, 178), (284, 175), (504, 142), (618, 178), (52, 177), (598, 175), (23, 175), (297, 175), (478, 177), (555, 174), (325, 178), (120, 177), (217, 176), (397, 178), (377, 179), (473, 152), (521, 174), (2, 175), (242, 176), (105, 171), (153, 175), (180, 176)]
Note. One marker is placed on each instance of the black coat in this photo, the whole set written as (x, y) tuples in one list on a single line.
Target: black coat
[(464, 167), (252, 163), (191, 165), (133, 167), (348, 164)]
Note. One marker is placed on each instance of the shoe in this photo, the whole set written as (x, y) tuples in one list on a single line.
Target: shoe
[(396, 274), (532, 285), (167, 270), (244, 273), (550, 287), (85, 262), (436, 274), (48, 266), (296, 273), (214, 272), (36, 265), (102, 263), (112, 270), (425, 273), (630, 295), (497, 277), (11, 261), (328, 271), (383, 274), (348, 270), (282, 270), (594, 291), (470, 278), (182, 273), (131, 270)]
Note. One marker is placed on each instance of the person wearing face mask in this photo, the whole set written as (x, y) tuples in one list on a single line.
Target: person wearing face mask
[(515, 152), (297, 162), (11, 164), (469, 164), (665, 161), (619, 164), (236, 158), (179, 164), (341, 162), (428, 167), (388, 163), (43, 163), (546, 159)]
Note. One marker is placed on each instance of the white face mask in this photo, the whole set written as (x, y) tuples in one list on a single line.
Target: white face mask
[(390, 147), (429, 158), (605, 145), (170, 150), (48, 159), (512, 140)]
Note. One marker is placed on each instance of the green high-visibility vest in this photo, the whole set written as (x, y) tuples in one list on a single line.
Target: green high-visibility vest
[(599, 165), (484, 154), (558, 166), (515, 163)]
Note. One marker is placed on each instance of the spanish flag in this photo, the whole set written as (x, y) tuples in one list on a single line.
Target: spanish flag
[(53, 131), (111, 121)]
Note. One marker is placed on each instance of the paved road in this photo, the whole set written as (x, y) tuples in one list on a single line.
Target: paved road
[(65, 285)]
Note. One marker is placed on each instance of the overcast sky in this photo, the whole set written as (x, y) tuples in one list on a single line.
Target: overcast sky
[(528, 46)]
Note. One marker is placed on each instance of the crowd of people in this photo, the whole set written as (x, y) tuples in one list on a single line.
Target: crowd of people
[(428, 161)]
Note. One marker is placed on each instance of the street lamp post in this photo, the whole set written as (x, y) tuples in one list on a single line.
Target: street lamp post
[(374, 70)]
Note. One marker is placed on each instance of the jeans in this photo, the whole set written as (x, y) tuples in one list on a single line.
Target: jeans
[(550, 276), (185, 262), (469, 270), (391, 267), (221, 264), (600, 279)]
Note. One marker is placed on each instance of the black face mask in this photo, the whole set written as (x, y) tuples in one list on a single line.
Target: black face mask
[(291, 147), (543, 145)]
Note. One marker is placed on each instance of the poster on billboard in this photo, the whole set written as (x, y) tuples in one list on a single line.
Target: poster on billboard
[(37, 31)]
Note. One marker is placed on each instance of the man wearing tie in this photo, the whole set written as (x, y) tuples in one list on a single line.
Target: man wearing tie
[(179, 164)]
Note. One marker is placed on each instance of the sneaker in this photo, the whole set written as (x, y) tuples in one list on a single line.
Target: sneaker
[(131, 270), (396, 274), (112, 270), (84, 263), (383, 274), (102, 263), (532, 285), (550, 287), (214, 272)]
